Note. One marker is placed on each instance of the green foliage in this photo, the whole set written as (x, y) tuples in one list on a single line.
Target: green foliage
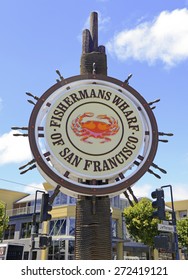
[(182, 230), (142, 227), (3, 219), (140, 224)]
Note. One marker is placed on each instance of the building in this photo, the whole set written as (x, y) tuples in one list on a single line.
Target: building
[(181, 208), (20, 208)]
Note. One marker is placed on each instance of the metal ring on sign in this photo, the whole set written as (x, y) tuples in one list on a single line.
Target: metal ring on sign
[(109, 182)]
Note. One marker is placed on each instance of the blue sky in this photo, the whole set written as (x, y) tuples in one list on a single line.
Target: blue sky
[(146, 38)]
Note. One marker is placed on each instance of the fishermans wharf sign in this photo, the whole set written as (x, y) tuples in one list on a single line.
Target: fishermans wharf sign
[(93, 135), (94, 130)]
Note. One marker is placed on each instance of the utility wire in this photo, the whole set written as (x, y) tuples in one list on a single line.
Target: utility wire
[(13, 182)]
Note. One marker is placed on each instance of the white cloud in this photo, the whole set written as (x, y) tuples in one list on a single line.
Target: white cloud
[(164, 39), (179, 191), (33, 187), (102, 22), (142, 190), (14, 149)]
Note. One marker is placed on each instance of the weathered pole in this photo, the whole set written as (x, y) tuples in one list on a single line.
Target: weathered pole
[(93, 220), (93, 58)]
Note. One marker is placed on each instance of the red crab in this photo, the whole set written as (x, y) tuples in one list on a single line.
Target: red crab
[(95, 128)]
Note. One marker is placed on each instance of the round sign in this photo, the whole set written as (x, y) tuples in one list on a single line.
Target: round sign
[(99, 135)]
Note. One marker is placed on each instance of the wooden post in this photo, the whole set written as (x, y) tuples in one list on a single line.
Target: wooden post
[(93, 58), (93, 219)]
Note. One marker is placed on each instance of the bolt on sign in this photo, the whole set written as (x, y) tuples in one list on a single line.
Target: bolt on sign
[(96, 129)]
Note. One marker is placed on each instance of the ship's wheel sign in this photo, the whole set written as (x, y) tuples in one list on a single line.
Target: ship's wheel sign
[(100, 135)]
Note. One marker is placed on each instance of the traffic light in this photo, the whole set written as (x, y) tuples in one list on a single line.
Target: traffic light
[(45, 208), (162, 242), (45, 241), (159, 203)]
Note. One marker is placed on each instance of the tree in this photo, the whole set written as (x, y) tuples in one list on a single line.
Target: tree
[(140, 224), (3, 219), (182, 229)]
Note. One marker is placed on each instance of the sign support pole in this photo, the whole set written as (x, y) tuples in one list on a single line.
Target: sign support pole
[(93, 219), (177, 257)]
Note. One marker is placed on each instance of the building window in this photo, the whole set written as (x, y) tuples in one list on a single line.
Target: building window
[(71, 250), (61, 249), (63, 199), (26, 255), (57, 250), (114, 228), (32, 204), (115, 202), (26, 230), (72, 200), (183, 214), (58, 227), (72, 226), (60, 199), (9, 232)]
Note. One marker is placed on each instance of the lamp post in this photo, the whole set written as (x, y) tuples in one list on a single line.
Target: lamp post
[(33, 229)]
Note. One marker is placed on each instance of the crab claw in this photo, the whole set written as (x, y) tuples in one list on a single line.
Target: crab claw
[(101, 116), (88, 114)]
